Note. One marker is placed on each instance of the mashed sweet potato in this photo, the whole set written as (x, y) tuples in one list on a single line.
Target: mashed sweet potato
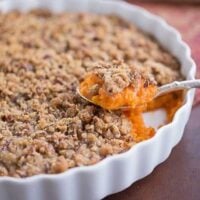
[(138, 100)]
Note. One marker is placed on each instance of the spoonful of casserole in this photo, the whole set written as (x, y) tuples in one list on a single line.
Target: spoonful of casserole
[(115, 86)]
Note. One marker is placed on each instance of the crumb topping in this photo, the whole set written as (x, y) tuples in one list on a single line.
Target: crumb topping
[(45, 127), (117, 75)]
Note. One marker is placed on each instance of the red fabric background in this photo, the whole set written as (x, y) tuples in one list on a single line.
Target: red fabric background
[(185, 18)]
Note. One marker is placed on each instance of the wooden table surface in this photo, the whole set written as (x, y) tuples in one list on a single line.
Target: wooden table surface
[(178, 178)]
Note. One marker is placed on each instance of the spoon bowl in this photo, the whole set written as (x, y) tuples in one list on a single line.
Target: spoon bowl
[(164, 89)]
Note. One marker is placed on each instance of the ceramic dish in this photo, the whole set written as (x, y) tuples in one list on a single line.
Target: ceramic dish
[(114, 173)]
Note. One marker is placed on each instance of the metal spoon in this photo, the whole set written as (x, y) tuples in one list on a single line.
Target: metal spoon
[(174, 86), (178, 85)]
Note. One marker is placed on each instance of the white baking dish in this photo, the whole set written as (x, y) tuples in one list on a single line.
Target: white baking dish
[(114, 173)]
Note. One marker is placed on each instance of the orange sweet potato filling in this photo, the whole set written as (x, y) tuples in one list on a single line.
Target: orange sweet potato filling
[(140, 99), (171, 102)]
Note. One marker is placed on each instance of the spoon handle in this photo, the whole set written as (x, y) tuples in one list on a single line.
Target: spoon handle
[(176, 85)]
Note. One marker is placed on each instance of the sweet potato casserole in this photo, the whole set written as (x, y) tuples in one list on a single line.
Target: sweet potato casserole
[(45, 126)]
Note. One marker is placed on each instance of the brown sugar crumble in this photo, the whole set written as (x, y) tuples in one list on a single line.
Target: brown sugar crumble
[(45, 127), (116, 76)]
